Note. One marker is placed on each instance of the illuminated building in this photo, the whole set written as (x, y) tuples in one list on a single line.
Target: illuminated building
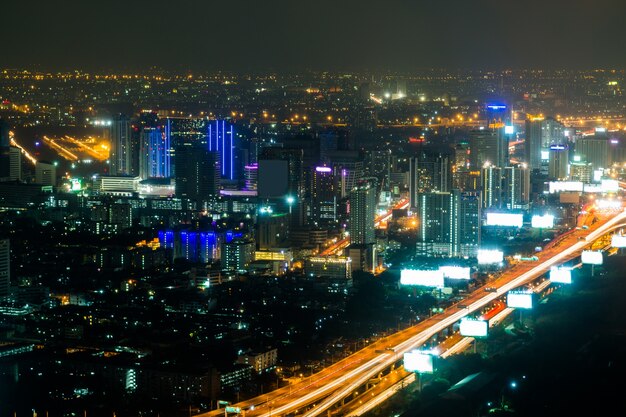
[(581, 171), (221, 139), (197, 172), (323, 196), (15, 164), (329, 266), (45, 173), (120, 216), (194, 246), (272, 230), (5, 267), (491, 180), (449, 223), (362, 212), (251, 177), (154, 153), (541, 133), (488, 146), (260, 361), (121, 155), (594, 150), (430, 171), (516, 193), (237, 254), (558, 162), (115, 185)]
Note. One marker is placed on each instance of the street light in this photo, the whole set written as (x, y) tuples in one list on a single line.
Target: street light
[(290, 201)]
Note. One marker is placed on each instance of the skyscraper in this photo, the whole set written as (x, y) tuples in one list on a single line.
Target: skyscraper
[(449, 224), (221, 138), (541, 133), (516, 193), (45, 173), (154, 153), (15, 164), (594, 150), (491, 179), (488, 146), (197, 172), (323, 195), (430, 170), (558, 162), (5, 267), (121, 156), (363, 212)]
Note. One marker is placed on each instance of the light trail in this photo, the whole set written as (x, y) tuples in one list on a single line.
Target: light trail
[(24, 151), (66, 154)]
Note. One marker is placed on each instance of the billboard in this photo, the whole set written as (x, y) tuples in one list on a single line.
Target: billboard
[(509, 130), (543, 222), (489, 256), (561, 275), (558, 186), (609, 186), (519, 299), (618, 241), (426, 278), (609, 204), (505, 219), (591, 257), (455, 272), (474, 328), (419, 361)]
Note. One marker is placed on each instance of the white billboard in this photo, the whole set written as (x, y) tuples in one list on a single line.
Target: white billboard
[(489, 256), (474, 328), (591, 257), (505, 219), (519, 299), (593, 188), (618, 241), (609, 204), (419, 361), (609, 186), (558, 186), (543, 222), (426, 278), (561, 275), (455, 272)]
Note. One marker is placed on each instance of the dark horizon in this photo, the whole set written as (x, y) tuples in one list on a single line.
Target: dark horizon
[(323, 35)]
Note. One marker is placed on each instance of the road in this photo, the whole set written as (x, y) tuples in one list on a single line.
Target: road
[(340, 379)]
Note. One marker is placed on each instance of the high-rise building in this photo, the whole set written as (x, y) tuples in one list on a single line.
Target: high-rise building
[(5, 267), (121, 215), (363, 200), (272, 231), (237, 254), (488, 146), (516, 193), (581, 171), (221, 138), (45, 173), (594, 150), (197, 172), (541, 133), (491, 180), (154, 153), (559, 161), (5, 141), (251, 177), (449, 223), (430, 170), (121, 155), (15, 164), (323, 196)]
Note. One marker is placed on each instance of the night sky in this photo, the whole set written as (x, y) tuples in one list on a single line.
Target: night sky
[(245, 35)]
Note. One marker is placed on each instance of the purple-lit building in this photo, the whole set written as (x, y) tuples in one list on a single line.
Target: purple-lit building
[(221, 138)]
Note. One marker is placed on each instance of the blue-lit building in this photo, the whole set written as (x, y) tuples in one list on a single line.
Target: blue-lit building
[(155, 152), (194, 246), (221, 138)]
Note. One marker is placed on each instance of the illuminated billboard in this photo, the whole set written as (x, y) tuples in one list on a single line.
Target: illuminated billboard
[(426, 278), (474, 328), (419, 361), (591, 257), (561, 275), (509, 130), (558, 186), (618, 241), (489, 256), (545, 155), (609, 186), (519, 299), (543, 222), (455, 272), (505, 219), (609, 204)]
